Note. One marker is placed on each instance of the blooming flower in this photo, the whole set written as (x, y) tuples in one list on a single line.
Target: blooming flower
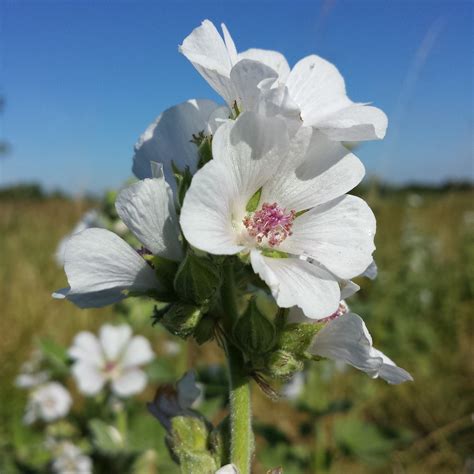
[(169, 138), (282, 201), (261, 80), (112, 358), (48, 402), (345, 338), (103, 269), (70, 459), (170, 401)]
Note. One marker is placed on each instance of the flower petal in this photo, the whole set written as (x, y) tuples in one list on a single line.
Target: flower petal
[(295, 282), (169, 137), (138, 352), (357, 122), (100, 265), (346, 338), (338, 235), (208, 53), (147, 209), (86, 348), (131, 382), (322, 171), (318, 88), (89, 378), (273, 59), (114, 340)]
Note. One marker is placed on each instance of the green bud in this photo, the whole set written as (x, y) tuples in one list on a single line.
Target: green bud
[(181, 319), (183, 181), (296, 338), (205, 151), (253, 332), (198, 279), (282, 365), (188, 441), (204, 330)]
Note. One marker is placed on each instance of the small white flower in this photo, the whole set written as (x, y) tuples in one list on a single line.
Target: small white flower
[(168, 138), (31, 373), (302, 210), (261, 80), (102, 268), (346, 338), (70, 460), (48, 402), (114, 357)]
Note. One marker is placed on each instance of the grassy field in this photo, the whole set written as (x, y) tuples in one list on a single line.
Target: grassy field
[(419, 311)]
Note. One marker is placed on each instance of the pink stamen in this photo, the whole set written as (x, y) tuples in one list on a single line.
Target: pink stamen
[(343, 309), (271, 222), (110, 366)]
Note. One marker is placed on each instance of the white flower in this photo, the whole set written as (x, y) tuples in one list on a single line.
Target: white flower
[(112, 358), (253, 157), (168, 138), (71, 460), (31, 375), (89, 220), (102, 268), (262, 81), (227, 469), (346, 338), (170, 401), (48, 402)]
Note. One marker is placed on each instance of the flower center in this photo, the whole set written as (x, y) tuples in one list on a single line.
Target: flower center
[(110, 369), (271, 222)]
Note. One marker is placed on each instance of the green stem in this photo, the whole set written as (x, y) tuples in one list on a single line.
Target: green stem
[(242, 440)]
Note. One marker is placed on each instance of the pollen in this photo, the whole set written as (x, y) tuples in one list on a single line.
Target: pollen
[(270, 223)]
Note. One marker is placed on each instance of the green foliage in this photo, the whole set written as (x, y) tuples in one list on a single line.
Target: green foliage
[(181, 319)]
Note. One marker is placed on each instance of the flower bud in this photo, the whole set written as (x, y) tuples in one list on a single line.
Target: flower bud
[(253, 332), (181, 319), (198, 279), (204, 330), (282, 365), (296, 338)]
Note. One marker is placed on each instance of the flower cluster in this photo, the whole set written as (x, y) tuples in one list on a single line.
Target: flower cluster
[(235, 201)]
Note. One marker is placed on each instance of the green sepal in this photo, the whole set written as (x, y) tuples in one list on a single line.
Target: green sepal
[(205, 151), (198, 279), (296, 338), (181, 319), (253, 331), (183, 181), (253, 201), (266, 252), (282, 365), (204, 331), (165, 270)]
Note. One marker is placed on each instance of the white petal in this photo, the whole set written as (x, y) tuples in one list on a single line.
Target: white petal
[(227, 469), (86, 348), (131, 382), (246, 76), (338, 234), (347, 339), (89, 378), (188, 391), (356, 122), (318, 88), (229, 44), (322, 171), (147, 208), (371, 271), (138, 352), (273, 59), (114, 340), (169, 138), (208, 53), (295, 282), (244, 152), (348, 288), (100, 265)]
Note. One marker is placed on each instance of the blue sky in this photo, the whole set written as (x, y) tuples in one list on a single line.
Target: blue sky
[(83, 79)]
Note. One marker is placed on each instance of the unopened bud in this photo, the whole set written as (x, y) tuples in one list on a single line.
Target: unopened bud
[(283, 365), (181, 319)]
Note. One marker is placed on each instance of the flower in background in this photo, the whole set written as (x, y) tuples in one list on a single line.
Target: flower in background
[(47, 402), (69, 459), (172, 401), (282, 200), (114, 357), (103, 269), (169, 139), (312, 93), (31, 375)]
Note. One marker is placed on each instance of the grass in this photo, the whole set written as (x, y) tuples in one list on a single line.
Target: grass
[(419, 311)]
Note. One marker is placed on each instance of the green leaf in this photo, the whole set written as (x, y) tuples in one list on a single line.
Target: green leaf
[(106, 438)]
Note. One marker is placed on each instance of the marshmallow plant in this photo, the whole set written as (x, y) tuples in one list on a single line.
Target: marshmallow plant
[(249, 236)]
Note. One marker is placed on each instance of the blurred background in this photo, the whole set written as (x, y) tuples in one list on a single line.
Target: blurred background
[(80, 81)]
